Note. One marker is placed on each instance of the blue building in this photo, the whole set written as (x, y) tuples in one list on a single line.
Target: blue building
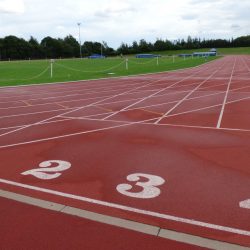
[(96, 56), (204, 54), (147, 56), (185, 55)]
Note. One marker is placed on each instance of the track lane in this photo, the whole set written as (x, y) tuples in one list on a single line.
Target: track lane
[(201, 166)]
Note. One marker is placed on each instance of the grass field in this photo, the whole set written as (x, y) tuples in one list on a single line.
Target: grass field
[(222, 51), (38, 71)]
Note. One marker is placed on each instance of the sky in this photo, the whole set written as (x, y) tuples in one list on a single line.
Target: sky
[(117, 21)]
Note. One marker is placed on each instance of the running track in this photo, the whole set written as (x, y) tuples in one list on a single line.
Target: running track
[(169, 150)]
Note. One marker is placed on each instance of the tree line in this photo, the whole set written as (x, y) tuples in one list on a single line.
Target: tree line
[(12, 47)]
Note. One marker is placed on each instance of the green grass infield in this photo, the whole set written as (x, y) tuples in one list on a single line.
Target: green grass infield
[(65, 70)]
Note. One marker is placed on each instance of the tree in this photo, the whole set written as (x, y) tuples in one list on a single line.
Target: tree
[(15, 48), (243, 41), (1, 49), (123, 49), (71, 47), (144, 46), (35, 48), (53, 48)]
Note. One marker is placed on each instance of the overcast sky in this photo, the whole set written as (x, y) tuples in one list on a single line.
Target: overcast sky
[(116, 21)]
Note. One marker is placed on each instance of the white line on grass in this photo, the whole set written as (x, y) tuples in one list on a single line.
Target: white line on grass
[(111, 78)]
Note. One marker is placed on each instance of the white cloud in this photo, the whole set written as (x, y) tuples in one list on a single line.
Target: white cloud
[(116, 21), (11, 6)]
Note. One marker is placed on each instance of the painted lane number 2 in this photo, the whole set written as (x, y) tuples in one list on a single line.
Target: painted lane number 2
[(149, 187), (46, 171)]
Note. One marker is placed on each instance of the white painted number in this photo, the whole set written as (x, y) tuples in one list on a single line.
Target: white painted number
[(149, 187), (44, 172), (245, 204)]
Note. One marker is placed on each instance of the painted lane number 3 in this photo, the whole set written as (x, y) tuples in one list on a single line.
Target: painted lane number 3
[(149, 187), (46, 171), (245, 204)]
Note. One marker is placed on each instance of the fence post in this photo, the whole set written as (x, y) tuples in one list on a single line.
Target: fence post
[(126, 63), (51, 67)]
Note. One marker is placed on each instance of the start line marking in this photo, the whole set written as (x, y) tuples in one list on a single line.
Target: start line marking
[(130, 209)]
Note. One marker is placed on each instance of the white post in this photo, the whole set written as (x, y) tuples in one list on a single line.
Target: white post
[(51, 67), (173, 58), (157, 60), (126, 63), (79, 25)]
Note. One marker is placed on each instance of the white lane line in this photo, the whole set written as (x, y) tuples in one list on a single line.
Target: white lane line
[(123, 223), (186, 97), (78, 86), (64, 93), (82, 107), (143, 122), (170, 77), (84, 99), (177, 92), (77, 133), (34, 113), (132, 99), (79, 89), (55, 103), (79, 108), (172, 102), (154, 105), (172, 115), (152, 95), (225, 98), (131, 209), (246, 65)]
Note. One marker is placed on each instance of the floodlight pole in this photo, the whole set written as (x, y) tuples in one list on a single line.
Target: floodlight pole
[(79, 25)]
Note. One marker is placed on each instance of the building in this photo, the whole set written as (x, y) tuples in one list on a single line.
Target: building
[(146, 55)]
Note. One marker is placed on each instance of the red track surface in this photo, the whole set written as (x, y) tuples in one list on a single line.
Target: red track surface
[(35, 228), (189, 127)]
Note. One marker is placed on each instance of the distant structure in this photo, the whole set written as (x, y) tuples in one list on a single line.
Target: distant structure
[(211, 52), (96, 56), (205, 54), (185, 55), (146, 55)]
